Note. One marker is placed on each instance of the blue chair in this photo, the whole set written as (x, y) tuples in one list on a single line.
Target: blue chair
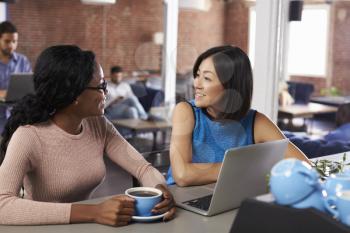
[(148, 97), (301, 92), (317, 147)]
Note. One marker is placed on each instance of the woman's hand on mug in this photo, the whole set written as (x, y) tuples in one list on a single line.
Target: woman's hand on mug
[(166, 205), (116, 211)]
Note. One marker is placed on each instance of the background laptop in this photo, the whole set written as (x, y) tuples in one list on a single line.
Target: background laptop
[(242, 175), (20, 84)]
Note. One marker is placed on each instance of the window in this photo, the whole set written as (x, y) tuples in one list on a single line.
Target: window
[(308, 42)]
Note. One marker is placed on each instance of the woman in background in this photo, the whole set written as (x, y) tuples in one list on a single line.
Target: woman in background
[(53, 145), (219, 118)]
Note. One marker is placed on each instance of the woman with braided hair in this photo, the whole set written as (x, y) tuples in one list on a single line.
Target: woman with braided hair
[(53, 146)]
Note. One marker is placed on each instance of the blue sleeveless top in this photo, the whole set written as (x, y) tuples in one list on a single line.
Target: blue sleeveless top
[(210, 138)]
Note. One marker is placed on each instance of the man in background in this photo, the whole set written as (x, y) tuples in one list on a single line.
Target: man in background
[(121, 102), (10, 61)]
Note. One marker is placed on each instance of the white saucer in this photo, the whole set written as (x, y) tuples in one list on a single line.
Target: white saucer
[(148, 218)]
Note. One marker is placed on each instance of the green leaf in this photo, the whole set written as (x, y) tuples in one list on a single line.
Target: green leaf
[(327, 167)]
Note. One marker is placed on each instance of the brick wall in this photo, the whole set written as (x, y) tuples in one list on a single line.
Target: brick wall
[(237, 24), (199, 30), (341, 46), (119, 34), (122, 33)]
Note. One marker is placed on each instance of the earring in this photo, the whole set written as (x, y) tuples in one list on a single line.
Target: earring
[(76, 102)]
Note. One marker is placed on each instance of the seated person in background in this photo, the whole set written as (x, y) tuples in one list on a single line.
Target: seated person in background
[(219, 118), (53, 146), (10, 61), (342, 121), (284, 98), (121, 102)]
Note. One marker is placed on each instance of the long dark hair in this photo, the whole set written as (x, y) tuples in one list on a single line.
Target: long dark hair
[(61, 74), (234, 71), (343, 115)]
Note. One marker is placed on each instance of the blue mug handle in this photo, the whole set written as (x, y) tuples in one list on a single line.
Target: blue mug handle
[(331, 201), (312, 177)]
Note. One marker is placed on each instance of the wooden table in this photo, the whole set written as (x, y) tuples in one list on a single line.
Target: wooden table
[(303, 111), (143, 126)]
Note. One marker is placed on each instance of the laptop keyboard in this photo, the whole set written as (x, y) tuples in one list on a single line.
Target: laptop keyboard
[(202, 203)]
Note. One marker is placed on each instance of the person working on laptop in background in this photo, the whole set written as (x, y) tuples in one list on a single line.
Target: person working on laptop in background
[(121, 102), (219, 118), (53, 146), (10, 61)]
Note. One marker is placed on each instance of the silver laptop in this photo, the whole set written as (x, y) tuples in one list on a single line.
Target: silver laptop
[(20, 84), (243, 174)]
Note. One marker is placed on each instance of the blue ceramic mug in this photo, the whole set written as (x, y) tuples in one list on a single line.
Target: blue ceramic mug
[(145, 199), (317, 200), (342, 206), (292, 180)]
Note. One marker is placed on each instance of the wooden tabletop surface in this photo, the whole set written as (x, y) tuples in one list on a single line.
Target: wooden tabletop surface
[(138, 124), (306, 110)]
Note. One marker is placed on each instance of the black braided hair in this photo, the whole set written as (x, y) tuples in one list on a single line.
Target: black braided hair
[(61, 74)]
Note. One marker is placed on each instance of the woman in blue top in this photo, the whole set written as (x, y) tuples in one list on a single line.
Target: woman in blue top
[(218, 118)]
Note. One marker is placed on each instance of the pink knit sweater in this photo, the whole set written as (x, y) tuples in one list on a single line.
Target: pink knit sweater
[(57, 168)]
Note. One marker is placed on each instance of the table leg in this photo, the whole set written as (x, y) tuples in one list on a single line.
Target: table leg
[(154, 140), (164, 135), (290, 123), (311, 126), (133, 133)]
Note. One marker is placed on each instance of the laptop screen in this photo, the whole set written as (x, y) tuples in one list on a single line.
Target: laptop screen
[(20, 85)]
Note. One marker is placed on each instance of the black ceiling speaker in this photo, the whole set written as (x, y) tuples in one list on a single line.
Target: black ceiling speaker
[(295, 10)]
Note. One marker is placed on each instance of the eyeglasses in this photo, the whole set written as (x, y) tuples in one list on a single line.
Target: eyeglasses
[(102, 86)]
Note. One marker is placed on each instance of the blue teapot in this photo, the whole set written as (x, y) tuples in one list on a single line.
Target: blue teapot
[(293, 180)]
